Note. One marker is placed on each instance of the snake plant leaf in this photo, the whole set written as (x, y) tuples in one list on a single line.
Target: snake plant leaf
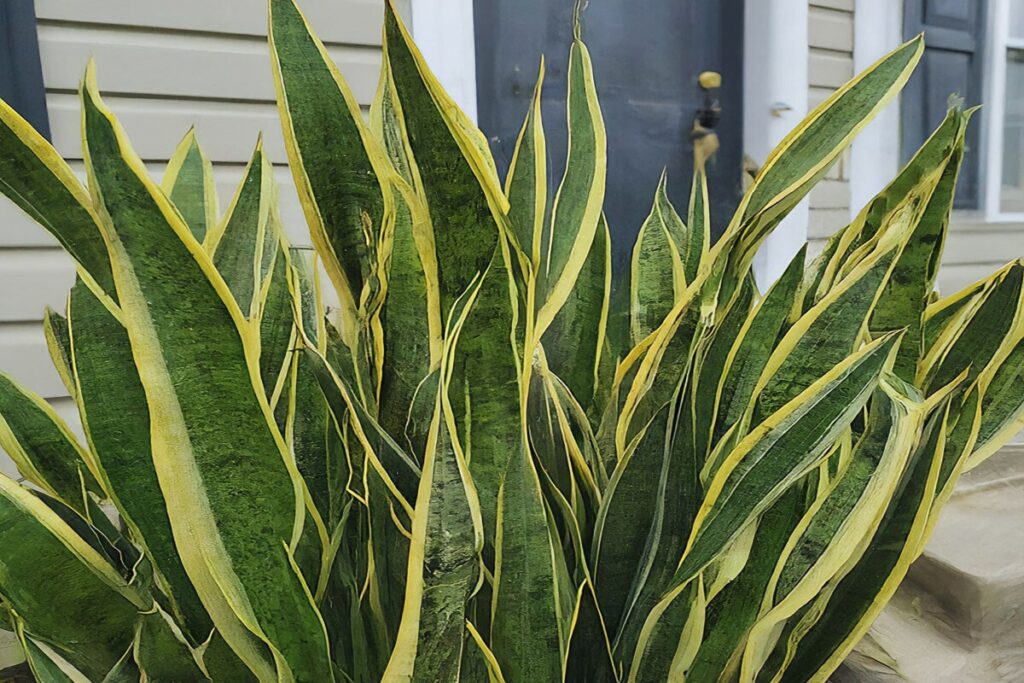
[(277, 334), (484, 390), (526, 184), (43, 447), (526, 631), (458, 181), (972, 346), (444, 565), (857, 597), (577, 206), (905, 295), (58, 343), (243, 244), (196, 356), (780, 450), (1002, 409), (116, 420), (962, 429), (308, 430), (678, 490), (60, 588), (675, 494), (491, 666), (575, 343), (626, 517), (411, 340), (754, 345), (667, 652), (398, 471), (945, 312), (807, 152), (188, 182), (713, 356), (740, 493), (657, 272), (810, 346), (388, 127), (934, 157), (731, 613), (465, 457), (107, 540), (344, 203), (46, 665), (826, 537), (161, 652), (40, 183), (698, 220), (587, 633), (819, 272)]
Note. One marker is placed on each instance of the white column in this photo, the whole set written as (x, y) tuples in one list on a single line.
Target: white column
[(775, 95), (443, 30), (875, 153)]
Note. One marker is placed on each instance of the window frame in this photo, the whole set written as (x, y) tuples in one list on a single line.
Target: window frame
[(994, 90)]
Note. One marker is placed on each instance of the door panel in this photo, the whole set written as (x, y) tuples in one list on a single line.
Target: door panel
[(647, 57)]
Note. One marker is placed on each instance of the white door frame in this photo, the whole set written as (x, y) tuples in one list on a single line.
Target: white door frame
[(443, 30), (875, 153), (775, 93)]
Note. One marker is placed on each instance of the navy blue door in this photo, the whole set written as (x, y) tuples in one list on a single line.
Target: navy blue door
[(647, 57), (952, 65)]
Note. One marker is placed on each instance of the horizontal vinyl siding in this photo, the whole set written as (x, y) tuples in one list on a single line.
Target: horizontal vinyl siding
[(975, 249), (163, 67), (830, 41)]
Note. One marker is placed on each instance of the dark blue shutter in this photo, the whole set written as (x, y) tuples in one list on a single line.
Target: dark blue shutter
[(21, 72), (952, 64)]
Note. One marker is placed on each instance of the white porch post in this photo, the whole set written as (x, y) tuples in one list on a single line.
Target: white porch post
[(443, 30), (775, 100), (875, 153)]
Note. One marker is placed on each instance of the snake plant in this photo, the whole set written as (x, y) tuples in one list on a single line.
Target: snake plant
[(434, 449)]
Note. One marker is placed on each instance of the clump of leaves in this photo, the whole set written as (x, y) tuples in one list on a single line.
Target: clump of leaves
[(468, 469)]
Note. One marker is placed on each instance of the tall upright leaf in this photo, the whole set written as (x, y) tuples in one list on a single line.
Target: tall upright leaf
[(235, 521), (188, 182), (243, 245), (456, 176), (577, 206), (116, 420), (444, 565), (344, 203)]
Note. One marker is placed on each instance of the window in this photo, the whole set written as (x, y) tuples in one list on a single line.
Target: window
[(1004, 116), (1011, 186)]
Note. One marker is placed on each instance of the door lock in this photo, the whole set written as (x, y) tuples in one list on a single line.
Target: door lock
[(709, 114)]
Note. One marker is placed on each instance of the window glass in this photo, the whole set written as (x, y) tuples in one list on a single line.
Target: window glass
[(1017, 19), (1012, 191)]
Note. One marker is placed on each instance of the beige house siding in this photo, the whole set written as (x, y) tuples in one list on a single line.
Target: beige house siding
[(975, 248), (163, 67), (830, 40)]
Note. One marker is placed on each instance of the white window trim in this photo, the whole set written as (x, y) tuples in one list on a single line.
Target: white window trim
[(444, 33), (994, 87)]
